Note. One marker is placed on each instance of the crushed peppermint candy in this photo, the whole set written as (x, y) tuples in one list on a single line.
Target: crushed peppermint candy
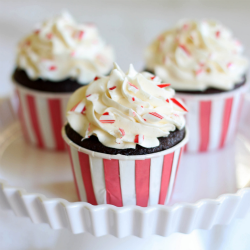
[(163, 85), (152, 117), (132, 87), (51, 68), (153, 77), (139, 139), (96, 78), (49, 36), (122, 132), (107, 118), (184, 48), (112, 88), (79, 108), (178, 104)]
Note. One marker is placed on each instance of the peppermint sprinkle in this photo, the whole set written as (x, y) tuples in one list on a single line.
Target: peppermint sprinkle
[(79, 108), (49, 36), (88, 95), (167, 100), (52, 68), (96, 78), (122, 131), (199, 71), (178, 104), (139, 139), (28, 43), (107, 118), (81, 33), (89, 126), (184, 48), (217, 34), (112, 88), (229, 65), (163, 85), (133, 99), (156, 115), (132, 87), (153, 77)]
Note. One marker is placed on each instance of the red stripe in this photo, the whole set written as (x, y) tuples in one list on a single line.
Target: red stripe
[(226, 120), (21, 117), (56, 122), (185, 148), (112, 182), (86, 176), (177, 170), (34, 120), (73, 171), (205, 114), (142, 174), (165, 178)]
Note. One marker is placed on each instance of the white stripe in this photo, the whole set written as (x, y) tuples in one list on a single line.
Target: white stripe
[(44, 121), (98, 179), (155, 180), (27, 120), (78, 173), (216, 120), (173, 174), (192, 119), (127, 180), (233, 118), (64, 102)]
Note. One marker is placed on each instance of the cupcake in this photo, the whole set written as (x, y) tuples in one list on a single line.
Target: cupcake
[(125, 135), (52, 62), (206, 67)]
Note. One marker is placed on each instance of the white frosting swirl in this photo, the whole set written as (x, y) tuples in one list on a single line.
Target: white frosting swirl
[(197, 55), (123, 110), (61, 48)]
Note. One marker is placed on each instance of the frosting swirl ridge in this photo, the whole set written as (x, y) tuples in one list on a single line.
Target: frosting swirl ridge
[(123, 110), (197, 55), (61, 48)]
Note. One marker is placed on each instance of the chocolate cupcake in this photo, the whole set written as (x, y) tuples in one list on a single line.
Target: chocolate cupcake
[(52, 62), (206, 67), (125, 128)]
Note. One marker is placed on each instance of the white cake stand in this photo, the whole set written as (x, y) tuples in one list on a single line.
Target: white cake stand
[(50, 197)]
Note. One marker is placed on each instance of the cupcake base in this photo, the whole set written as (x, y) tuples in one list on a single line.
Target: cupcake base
[(94, 144), (41, 115), (213, 118), (123, 180), (64, 86)]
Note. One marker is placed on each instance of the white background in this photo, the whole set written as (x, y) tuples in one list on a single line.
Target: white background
[(129, 26)]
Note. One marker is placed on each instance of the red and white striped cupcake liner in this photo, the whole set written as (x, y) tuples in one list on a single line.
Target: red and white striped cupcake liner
[(121, 180), (212, 119), (42, 117)]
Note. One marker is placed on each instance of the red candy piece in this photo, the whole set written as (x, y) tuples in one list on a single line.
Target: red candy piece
[(163, 85), (184, 48), (52, 68), (178, 104), (156, 115)]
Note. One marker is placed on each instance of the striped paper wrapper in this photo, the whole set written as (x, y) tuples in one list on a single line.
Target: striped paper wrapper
[(121, 180), (42, 117), (212, 119)]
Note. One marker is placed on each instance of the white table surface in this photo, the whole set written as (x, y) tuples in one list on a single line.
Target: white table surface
[(129, 26)]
